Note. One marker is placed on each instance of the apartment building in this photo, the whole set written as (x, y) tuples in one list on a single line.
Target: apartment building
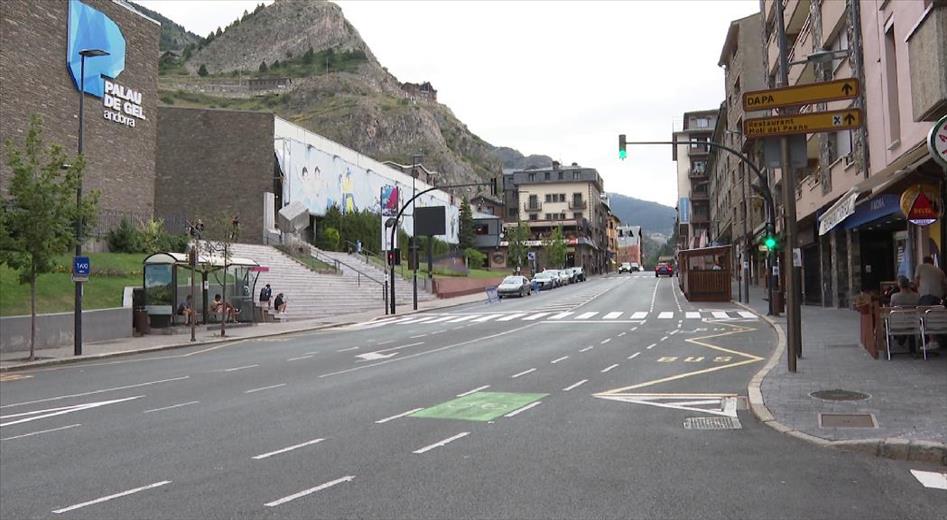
[(614, 223), (629, 245), (693, 208), (568, 196)]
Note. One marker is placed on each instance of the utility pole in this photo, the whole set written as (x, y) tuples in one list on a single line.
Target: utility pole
[(415, 171), (793, 344)]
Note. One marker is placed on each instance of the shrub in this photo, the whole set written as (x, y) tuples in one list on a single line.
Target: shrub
[(125, 238), (202, 71), (475, 259), (330, 239)]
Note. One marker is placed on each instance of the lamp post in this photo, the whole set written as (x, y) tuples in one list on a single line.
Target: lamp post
[(415, 171), (77, 332)]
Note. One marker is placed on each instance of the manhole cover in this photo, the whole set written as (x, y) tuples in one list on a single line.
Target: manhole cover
[(712, 423), (846, 420), (839, 395)]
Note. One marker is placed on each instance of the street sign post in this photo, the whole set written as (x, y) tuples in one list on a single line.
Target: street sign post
[(830, 121), (801, 95), (81, 267)]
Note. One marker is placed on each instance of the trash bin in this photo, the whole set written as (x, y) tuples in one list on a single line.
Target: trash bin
[(140, 321)]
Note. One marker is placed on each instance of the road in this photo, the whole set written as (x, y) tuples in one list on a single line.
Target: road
[(571, 403)]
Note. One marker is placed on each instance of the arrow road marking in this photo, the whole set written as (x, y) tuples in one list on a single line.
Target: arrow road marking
[(372, 356), (64, 410), (94, 392), (931, 479)]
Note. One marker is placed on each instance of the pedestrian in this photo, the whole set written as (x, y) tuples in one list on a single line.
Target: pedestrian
[(265, 294), (186, 310), (930, 281), (906, 295), (280, 303)]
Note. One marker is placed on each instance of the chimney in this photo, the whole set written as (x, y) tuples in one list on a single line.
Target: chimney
[(555, 165), (575, 164)]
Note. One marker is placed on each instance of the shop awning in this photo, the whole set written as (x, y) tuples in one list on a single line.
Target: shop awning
[(904, 165), (839, 211)]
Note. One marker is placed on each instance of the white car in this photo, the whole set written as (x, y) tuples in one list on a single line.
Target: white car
[(514, 285), (625, 267), (546, 280), (565, 276)]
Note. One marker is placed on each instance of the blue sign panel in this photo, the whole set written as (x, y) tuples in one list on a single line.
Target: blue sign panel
[(684, 210), (81, 266), (90, 29), (874, 209)]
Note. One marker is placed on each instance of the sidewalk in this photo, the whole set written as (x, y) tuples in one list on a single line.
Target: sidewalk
[(155, 342), (907, 396)]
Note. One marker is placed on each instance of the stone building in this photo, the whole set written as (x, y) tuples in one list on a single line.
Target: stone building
[(119, 143)]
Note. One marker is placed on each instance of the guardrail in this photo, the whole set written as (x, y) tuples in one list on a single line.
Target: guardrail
[(319, 255)]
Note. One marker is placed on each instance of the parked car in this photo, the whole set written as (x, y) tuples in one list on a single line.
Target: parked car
[(578, 274), (635, 267), (546, 280), (625, 267), (663, 269), (514, 285), (565, 277)]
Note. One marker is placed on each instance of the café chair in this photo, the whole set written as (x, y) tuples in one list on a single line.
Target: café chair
[(933, 322), (901, 322)]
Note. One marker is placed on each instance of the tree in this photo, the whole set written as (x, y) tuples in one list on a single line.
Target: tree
[(218, 33), (466, 235), (202, 71), (39, 215), (220, 233), (309, 57), (517, 251), (263, 67), (276, 64), (554, 248)]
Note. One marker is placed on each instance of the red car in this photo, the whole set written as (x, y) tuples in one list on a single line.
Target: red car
[(663, 269)]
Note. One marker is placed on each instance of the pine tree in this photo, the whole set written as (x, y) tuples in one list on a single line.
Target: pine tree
[(466, 234), (219, 32), (309, 56), (263, 67), (202, 71)]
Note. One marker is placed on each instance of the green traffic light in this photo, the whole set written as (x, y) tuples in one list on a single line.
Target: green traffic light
[(770, 243), (622, 154)]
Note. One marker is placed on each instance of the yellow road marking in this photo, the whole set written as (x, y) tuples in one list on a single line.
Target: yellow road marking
[(666, 359), (13, 377), (693, 359)]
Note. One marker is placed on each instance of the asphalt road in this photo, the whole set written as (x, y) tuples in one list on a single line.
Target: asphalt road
[(566, 404)]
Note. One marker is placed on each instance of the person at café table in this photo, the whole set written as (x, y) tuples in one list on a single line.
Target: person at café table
[(930, 281), (906, 295)]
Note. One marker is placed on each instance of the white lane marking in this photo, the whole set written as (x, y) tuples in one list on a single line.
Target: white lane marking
[(513, 316), (612, 315), (234, 369), (651, 346), (380, 343), (634, 329), (440, 319), (654, 294), (931, 479), (606, 340), (666, 315), (400, 415), (418, 336), (606, 369), (561, 315), (620, 334), (523, 409), (110, 497), (639, 315), (586, 315), (664, 338), (563, 358), (574, 385), (310, 491), (39, 432), (720, 315), (586, 349), (475, 390), (189, 403), (523, 373), (633, 356), (746, 314), (488, 317), (372, 356), (692, 315), (284, 450), (300, 357), (418, 320), (69, 409), (262, 388), (349, 349), (441, 443), (464, 318), (535, 316), (83, 394), (389, 349)]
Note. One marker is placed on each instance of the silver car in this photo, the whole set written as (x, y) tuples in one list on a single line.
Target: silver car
[(514, 286)]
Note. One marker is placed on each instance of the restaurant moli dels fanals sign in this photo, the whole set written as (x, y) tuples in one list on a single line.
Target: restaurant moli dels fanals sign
[(921, 204)]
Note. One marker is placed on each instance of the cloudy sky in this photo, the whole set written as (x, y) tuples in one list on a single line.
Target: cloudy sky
[(557, 78)]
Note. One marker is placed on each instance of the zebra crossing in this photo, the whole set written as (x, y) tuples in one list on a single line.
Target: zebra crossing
[(564, 316)]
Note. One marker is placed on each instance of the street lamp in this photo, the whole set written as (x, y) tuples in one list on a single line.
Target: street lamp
[(822, 56), (415, 171), (77, 338)]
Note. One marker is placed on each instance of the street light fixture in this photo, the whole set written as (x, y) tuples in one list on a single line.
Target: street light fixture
[(77, 337), (822, 56)]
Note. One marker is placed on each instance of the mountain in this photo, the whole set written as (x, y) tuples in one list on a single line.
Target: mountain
[(173, 36), (335, 87), (651, 216)]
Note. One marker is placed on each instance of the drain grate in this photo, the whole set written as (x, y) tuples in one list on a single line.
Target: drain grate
[(839, 395), (712, 423), (847, 420)]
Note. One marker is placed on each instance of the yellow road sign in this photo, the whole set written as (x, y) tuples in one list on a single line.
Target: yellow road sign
[(811, 123), (801, 94)]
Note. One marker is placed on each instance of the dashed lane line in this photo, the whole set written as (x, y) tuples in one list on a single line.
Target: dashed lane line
[(93, 392), (563, 358), (110, 497), (475, 390), (40, 432), (262, 388), (171, 407), (651, 346), (633, 356), (523, 409), (441, 443), (586, 349), (400, 415), (523, 373), (606, 369), (284, 450), (310, 491), (575, 385)]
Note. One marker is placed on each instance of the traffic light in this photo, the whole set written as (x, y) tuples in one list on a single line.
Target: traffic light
[(622, 151), (769, 240), (394, 257)]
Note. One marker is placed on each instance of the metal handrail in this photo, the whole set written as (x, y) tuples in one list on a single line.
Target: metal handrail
[(326, 258)]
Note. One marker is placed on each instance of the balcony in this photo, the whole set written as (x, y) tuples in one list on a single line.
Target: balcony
[(696, 175), (927, 53), (533, 206), (700, 195), (700, 218), (578, 204), (698, 150)]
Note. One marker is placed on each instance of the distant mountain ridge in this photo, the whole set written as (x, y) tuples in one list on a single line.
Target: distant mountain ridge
[(174, 37), (651, 216)]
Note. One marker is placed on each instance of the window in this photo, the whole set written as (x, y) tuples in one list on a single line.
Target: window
[(512, 212), (702, 122), (561, 174), (548, 216), (549, 197), (840, 44), (533, 216), (891, 86), (576, 175), (700, 166), (532, 177), (546, 176), (577, 215), (562, 197)]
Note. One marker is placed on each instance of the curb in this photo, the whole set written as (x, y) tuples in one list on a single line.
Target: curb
[(892, 448), (230, 339)]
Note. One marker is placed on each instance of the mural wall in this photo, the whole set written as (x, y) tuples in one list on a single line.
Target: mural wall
[(321, 173)]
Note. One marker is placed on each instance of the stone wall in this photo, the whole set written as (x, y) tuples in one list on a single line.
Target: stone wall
[(34, 79), (56, 330), (214, 163)]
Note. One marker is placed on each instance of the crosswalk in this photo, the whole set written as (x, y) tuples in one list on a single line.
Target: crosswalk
[(562, 316)]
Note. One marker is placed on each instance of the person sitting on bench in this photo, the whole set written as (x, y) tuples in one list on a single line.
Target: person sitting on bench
[(186, 310), (221, 306)]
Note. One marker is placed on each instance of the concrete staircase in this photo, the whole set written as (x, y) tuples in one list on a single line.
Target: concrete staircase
[(310, 295), (351, 263)]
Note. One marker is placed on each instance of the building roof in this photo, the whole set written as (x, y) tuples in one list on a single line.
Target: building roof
[(731, 40)]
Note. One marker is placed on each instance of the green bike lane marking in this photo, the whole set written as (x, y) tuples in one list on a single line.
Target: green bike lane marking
[(479, 406)]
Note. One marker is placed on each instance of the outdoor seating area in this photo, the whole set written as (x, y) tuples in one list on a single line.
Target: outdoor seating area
[(704, 274), (919, 325)]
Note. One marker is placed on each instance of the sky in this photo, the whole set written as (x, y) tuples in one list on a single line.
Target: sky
[(559, 78)]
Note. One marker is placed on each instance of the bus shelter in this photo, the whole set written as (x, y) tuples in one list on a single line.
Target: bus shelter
[(167, 284), (704, 274)]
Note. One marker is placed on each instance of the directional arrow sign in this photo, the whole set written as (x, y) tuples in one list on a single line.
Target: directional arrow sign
[(372, 356), (801, 94), (830, 121)]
